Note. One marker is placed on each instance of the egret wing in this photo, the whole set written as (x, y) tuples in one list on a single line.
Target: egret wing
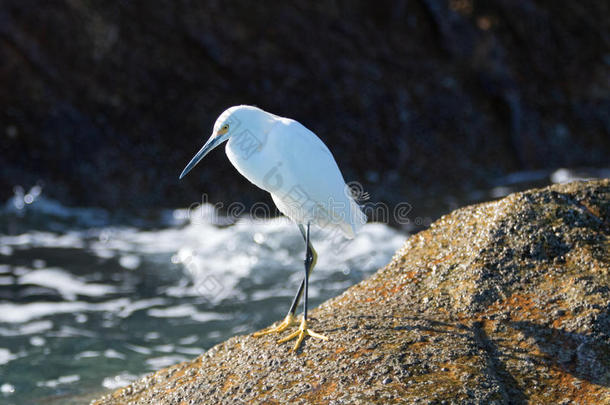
[(313, 188)]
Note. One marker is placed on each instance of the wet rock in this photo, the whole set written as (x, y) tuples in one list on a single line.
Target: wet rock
[(517, 310)]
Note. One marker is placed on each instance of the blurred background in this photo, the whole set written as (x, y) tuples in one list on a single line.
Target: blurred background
[(438, 103), (105, 102)]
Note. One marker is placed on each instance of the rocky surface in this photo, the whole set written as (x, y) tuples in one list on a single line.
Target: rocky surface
[(497, 303), (105, 102)]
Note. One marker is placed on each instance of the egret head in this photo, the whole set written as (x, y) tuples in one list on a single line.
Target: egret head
[(226, 125)]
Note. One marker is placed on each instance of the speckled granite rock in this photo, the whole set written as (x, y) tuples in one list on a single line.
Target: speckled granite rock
[(503, 302)]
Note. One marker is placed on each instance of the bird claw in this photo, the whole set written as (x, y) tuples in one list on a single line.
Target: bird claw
[(300, 334), (286, 323)]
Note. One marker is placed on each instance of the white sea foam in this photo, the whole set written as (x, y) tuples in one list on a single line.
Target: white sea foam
[(186, 310), (66, 379), (564, 175), (213, 258), (65, 283), (6, 356), (73, 239), (156, 363), (30, 328), (17, 313), (119, 381)]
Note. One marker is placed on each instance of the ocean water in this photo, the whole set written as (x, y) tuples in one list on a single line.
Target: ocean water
[(91, 300), (87, 305)]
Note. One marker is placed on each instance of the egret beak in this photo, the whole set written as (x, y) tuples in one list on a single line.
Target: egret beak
[(213, 142)]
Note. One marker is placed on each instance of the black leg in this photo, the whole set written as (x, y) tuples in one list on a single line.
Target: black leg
[(308, 263), (303, 331), (297, 297)]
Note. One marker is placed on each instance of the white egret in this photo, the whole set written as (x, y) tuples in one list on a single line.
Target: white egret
[(283, 157)]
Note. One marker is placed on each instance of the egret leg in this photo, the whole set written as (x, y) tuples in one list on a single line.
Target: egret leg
[(289, 320), (314, 254), (303, 330)]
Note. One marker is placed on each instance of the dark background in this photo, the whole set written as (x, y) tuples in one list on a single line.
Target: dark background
[(104, 102)]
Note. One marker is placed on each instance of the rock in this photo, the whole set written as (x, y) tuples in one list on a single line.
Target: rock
[(502, 302), (116, 98)]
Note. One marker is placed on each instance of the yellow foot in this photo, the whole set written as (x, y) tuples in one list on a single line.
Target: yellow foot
[(300, 335), (286, 323)]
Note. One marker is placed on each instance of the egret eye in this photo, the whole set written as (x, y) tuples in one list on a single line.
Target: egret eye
[(223, 130)]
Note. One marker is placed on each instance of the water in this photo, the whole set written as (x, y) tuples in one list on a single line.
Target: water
[(90, 301), (87, 306)]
